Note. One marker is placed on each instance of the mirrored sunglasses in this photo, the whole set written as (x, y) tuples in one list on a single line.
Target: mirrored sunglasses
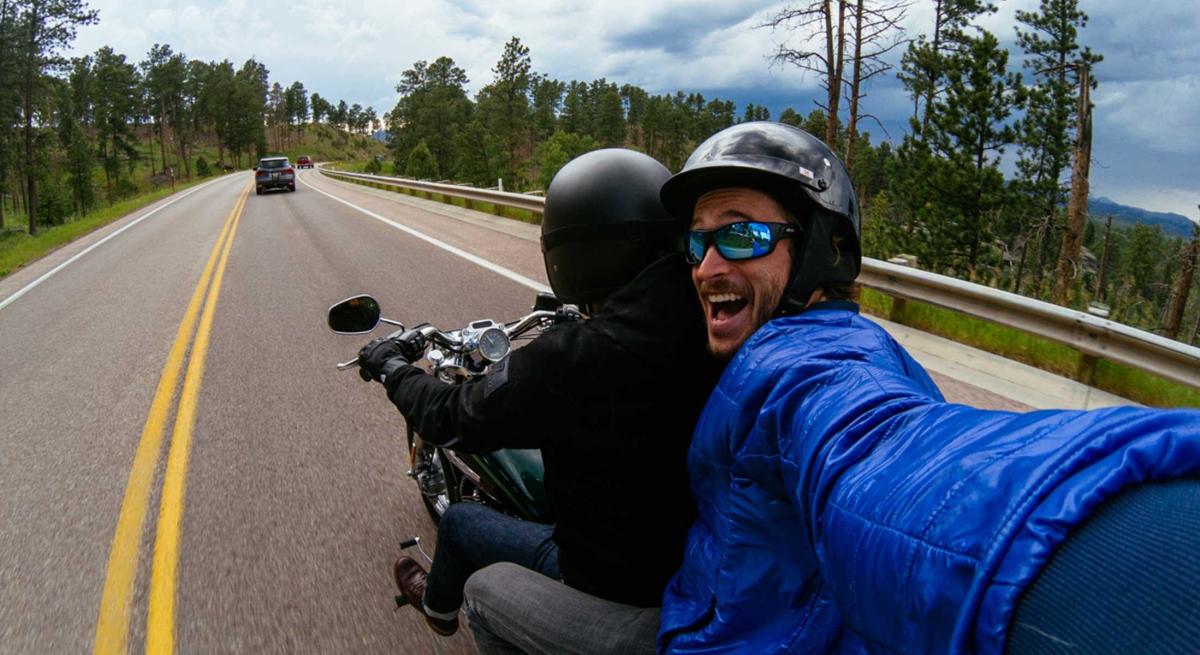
[(738, 241)]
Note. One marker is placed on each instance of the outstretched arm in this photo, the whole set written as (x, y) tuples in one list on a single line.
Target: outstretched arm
[(928, 519)]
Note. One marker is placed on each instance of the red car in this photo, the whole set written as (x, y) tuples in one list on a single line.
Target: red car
[(304, 162)]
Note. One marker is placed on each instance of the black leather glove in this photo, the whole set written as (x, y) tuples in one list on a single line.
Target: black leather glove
[(384, 355), (376, 354)]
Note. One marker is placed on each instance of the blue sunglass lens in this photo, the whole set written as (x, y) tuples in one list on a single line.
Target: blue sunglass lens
[(696, 247), (743, 240)]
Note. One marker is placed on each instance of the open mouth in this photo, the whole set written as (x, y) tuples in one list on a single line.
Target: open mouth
[(724, 306)]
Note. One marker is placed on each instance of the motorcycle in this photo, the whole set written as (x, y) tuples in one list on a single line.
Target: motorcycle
[(507, 480)]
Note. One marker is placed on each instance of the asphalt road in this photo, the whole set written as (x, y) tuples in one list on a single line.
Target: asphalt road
[(266, 518)]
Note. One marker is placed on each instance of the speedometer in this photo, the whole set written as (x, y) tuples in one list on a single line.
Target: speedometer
[(493, 344)]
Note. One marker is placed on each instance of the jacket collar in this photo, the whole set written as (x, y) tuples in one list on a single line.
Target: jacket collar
[(836, 305), (661, 298)]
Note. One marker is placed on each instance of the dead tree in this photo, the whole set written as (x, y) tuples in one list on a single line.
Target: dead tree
[(877, 31), (805, 21), (1183, 286), (1077, 202), (1099, 295)]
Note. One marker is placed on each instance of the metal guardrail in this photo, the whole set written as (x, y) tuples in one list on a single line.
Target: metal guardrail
[(498, 198), (1084, 332)]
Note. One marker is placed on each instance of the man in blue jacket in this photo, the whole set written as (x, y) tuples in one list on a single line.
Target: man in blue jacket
[(845, 507)]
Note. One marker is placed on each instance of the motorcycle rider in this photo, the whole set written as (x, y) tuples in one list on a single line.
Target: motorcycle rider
[(845, 507), (611, 402)]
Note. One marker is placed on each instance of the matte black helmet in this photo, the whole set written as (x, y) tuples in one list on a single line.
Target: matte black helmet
[(603, 223), (804, 176)]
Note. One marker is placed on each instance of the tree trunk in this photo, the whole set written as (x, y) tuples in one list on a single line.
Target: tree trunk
[(1021, 265), (855, 85), (1104, 260), (182, 147), (932, 90), (162, 133), (1183, 286), (30, 65), (836, 50), (1077, 204)]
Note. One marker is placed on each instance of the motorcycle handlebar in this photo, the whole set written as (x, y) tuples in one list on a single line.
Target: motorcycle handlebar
[(512, 330)]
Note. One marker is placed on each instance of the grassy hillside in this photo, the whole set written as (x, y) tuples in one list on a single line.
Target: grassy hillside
[(324, 143)]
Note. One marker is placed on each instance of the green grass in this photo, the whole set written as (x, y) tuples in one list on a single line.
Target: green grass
[(17, 248), (1047, 355)]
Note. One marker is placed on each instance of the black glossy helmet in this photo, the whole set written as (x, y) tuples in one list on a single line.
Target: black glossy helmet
[(603, 223), (804, 176)]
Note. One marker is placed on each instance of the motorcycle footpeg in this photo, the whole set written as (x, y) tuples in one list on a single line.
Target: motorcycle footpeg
[(401, 601), (409, 543)]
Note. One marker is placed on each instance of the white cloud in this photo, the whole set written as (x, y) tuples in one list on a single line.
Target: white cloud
[(1161, 114)]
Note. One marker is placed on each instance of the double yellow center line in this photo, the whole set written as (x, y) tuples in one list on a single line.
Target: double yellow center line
[(116, 606)]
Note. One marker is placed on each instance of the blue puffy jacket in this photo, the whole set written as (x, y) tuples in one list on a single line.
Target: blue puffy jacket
[(845, 507)]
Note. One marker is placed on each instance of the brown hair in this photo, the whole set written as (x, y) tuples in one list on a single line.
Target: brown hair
[(842, 291)]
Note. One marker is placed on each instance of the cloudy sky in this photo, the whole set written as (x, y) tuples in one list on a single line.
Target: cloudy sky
[(1147, 107)]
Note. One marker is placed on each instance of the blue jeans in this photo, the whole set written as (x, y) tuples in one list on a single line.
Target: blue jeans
[(471, 537)]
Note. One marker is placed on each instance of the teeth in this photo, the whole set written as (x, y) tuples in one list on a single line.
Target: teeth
[(723, 297)]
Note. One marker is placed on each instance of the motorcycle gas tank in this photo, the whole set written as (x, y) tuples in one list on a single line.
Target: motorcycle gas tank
[(518, 477)]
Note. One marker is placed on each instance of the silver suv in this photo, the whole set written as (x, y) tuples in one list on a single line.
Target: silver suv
[(274, 173)]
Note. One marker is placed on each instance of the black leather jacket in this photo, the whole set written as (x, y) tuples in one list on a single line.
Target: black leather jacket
[(611, 401)]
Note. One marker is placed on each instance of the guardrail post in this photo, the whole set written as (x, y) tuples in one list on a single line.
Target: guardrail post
[(899, 304), (1086, 373)]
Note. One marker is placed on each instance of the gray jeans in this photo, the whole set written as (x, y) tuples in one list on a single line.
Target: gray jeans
[(515, 610)]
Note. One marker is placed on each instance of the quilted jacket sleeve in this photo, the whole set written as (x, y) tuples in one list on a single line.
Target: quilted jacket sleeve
[(928, 519)]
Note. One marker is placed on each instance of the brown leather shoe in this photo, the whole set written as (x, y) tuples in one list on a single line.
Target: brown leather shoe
[(410, 578)]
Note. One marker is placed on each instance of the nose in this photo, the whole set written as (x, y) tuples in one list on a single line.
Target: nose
[(713, 265)]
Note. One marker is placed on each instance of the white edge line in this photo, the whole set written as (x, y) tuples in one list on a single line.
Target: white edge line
[(28, 287), (474, 259)]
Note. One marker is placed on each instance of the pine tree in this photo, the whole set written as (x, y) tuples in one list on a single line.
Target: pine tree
[(74, 105), (503, 105), (968, 130), (608, 115), (634, 99), (433, 108), (115, 107), (43, 29), (1049, 38), (554, 153), (421, 164), (924, 64), (547, 100)]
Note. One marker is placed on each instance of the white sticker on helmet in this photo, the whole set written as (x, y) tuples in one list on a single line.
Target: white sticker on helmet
[(806, 173)]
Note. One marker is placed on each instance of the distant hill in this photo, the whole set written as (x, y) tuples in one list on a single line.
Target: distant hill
[(1124, 216)]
